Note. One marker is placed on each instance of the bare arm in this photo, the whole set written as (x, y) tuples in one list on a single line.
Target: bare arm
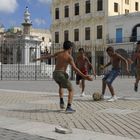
[(91, 66), (71, 62), (125, 61), (47, 56), (108, 64)]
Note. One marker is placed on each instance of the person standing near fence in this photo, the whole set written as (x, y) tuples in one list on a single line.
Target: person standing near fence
[(83, 63), (110, 76), (63, 59), (136, 60)]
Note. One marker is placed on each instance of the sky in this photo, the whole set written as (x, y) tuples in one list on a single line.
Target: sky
[(12, 12)]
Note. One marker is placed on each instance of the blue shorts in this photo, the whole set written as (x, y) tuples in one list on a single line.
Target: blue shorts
[(111, 75)]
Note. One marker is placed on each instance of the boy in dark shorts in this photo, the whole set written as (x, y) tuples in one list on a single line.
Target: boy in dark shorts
[(136, 59), (83, 64), (109, 77), (63, 59)]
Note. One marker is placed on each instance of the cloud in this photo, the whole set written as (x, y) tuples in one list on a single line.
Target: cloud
[(8, 6), (39, 21), (45, 1)]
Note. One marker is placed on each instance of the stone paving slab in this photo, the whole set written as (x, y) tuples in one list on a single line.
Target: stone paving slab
[(115, 120), (120, 118), (27, 130)]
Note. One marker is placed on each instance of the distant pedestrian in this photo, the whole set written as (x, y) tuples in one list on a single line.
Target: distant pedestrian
[(109, 77), (136, 60), (83, 64), (63, 59)]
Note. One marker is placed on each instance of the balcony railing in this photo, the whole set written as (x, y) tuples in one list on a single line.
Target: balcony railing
[(122, 40)]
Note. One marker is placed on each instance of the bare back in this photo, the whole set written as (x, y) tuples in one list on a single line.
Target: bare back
[(62, 60)]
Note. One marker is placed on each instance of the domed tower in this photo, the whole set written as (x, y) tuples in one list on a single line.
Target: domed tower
[(27, 22)]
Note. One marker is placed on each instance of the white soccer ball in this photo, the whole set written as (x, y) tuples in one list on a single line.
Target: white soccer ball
[(96, 96)]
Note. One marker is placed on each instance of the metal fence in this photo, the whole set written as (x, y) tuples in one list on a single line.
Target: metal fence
[(16, 61)]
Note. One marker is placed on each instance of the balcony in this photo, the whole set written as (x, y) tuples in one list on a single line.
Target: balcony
[(122, 40), (87, 16), (75, 18), (99, 14), (66, 20)]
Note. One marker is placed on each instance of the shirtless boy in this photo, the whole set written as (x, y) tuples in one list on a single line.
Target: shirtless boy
[(83, 64), (63, 59), (109, 77), (137, 65)]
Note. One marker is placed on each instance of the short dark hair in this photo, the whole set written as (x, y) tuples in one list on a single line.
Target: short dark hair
[(110, 49), (67, 45), (81, 49)]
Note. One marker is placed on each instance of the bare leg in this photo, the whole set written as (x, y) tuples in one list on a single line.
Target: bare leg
[(70, 96), (103, 87), (111, 89), (61, 92), (83, 85), (137, 80)]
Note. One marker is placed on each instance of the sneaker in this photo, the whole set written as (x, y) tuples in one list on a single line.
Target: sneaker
[(62, 106), (82, 94), (102, 97), (70, 110), (135, 87), (113, 98)]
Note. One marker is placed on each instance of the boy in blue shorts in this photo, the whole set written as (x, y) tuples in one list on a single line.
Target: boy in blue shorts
[(109, 77)]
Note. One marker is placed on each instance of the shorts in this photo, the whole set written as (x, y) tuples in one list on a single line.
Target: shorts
[(61, 78), (111, 75), (79, 77)]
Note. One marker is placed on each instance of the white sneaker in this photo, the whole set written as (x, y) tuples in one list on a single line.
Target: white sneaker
[(83, 94), (102, 97), (113, 98)]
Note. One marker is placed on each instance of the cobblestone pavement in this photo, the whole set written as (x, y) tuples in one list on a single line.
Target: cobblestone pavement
[(6, 134), (120, 118)]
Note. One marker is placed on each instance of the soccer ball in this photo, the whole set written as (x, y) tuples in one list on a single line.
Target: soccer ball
[(96, 96)]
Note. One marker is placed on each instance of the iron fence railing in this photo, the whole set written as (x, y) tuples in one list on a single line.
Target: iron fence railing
[(16, 61)]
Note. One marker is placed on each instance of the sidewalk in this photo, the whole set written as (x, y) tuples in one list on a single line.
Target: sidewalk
[(32, 112)]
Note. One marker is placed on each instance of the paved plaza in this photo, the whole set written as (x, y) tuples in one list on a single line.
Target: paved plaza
[(29, 110)]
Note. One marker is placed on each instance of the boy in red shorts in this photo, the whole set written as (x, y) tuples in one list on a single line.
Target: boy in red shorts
[(83, 64)]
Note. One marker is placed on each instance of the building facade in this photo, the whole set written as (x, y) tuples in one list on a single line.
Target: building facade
[(84, 22)]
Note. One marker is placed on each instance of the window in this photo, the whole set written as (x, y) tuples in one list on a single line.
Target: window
[(87, 33), (87, 7), (99, 5), (56, 37), (126, 11), (99, 32), (57, 13), (116, 7), (76, 34), (66, 35), (126, 1), (136, 6), (76, 9), (66, 11)]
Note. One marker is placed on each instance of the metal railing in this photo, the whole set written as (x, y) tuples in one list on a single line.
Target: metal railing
[(16, 61)]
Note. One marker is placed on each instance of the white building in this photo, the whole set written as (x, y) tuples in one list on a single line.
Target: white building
[(123, 29), (84, 22)]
